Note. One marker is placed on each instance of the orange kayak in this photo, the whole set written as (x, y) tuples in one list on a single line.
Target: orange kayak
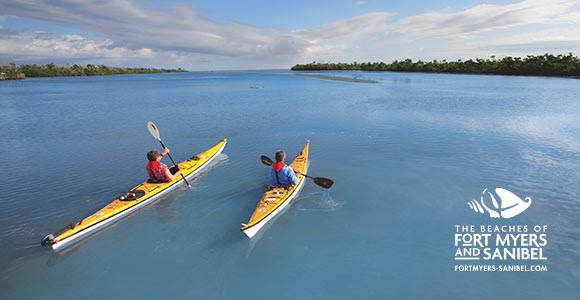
[(276, 199), (138, 197)]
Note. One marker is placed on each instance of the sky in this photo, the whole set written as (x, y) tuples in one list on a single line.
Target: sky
[(260, 34)]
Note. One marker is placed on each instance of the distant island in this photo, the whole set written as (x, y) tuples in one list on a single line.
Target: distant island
[(12, 72), (542, 65)]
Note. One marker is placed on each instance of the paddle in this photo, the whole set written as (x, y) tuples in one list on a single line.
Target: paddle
[(155, 133), (321, 181)]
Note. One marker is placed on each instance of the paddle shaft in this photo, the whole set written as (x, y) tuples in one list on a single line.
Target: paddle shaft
[(163, 145), (320, 181)]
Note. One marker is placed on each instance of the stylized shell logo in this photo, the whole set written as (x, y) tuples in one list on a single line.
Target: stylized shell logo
[(510, 206)]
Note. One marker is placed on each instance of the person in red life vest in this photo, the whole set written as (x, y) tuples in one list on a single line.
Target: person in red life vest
[(281, 174), (159, 172)]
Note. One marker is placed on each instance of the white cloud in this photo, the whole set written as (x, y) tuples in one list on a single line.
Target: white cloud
[(360, 2), (467, 23), (181, 28), (65, 47), (131, 30), (349, 29)]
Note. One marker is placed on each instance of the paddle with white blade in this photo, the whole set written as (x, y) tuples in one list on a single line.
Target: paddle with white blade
[(155, 133), (320, 181)]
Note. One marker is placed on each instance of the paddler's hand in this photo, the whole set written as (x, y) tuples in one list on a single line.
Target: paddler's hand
[(298, 173), (165, 151)]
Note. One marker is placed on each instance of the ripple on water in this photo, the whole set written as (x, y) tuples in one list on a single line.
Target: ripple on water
[(317, 201)]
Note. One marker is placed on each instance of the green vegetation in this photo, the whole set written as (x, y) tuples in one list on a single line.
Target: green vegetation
[(542, 65), (12, 71)]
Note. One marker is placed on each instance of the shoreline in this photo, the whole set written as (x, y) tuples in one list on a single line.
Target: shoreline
[(547, 65), (13, 72), (422, 72)]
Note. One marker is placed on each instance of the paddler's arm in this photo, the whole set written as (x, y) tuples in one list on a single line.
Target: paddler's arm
[(165, 151), (292, 176), (170, 176)]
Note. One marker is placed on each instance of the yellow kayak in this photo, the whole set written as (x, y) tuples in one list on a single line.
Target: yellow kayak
[(276, 199), (135, 199)]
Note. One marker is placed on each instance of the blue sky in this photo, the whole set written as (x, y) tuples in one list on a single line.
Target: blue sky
[(217, 35)]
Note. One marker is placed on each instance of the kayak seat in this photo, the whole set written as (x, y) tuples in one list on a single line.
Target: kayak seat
[(271, 187), (154, 181), (173, 170)]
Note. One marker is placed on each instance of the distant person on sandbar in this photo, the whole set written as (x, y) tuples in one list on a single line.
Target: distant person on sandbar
[(281, 174)]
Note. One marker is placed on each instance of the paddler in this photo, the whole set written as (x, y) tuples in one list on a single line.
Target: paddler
[(281, 174), (159, 172)]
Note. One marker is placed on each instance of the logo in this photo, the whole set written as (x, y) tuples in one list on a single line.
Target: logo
[(501, 246), (509, 205)]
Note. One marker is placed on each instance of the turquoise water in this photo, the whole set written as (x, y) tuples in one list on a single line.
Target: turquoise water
[(406, 155)]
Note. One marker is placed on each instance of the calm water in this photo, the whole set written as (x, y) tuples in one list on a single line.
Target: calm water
[(406, 154)]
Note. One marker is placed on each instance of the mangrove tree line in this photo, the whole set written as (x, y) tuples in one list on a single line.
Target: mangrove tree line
[(541, 65), (11, 71)]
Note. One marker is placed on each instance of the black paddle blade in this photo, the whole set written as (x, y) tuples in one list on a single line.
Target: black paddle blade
[(323, 182), (266, 160)]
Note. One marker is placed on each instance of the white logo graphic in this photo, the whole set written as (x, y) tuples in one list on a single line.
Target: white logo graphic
[(511, 205)]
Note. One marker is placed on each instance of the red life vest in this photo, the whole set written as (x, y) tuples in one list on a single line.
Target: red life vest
[(151, 166), (278, 166)]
